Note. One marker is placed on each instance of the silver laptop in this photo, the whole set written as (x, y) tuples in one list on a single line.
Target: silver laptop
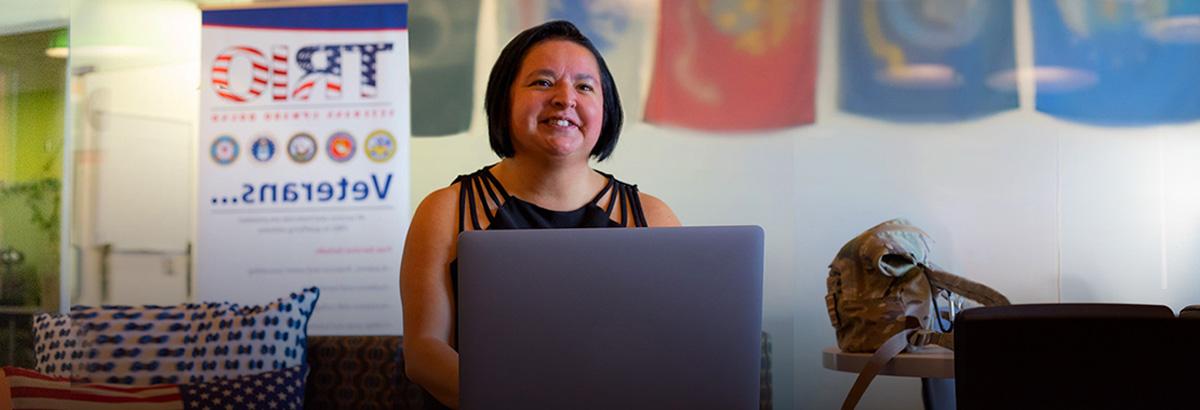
[(610, 318)]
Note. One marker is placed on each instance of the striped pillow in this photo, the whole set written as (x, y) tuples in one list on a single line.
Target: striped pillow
[(278, 389)]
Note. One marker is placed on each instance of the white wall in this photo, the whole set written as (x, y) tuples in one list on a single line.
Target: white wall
[(1041, 209), (24, 16)]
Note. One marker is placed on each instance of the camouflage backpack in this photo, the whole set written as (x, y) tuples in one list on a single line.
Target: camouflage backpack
[(881, 289)]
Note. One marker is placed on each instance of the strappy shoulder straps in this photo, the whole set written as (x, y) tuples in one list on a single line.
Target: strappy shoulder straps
[(481, 189), (607, 187), (625, 197), (476, 190)]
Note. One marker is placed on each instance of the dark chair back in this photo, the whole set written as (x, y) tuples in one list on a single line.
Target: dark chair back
[(1190, 312), (1075, 356)]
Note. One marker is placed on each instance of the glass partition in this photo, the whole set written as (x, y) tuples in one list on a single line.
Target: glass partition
[(32, 96), (135, 75)]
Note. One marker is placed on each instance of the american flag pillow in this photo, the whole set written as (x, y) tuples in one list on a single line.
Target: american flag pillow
[(278, 389)]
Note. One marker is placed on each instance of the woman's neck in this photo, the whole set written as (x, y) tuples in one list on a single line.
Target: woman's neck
[(552, 185)]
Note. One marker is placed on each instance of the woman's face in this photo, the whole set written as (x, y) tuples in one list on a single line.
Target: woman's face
[(557, 104)]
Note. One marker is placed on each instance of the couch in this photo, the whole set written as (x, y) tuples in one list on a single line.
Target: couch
[(367, 372)]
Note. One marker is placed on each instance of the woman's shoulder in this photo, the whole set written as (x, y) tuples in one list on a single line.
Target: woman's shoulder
[(443, 202), (466, 177), (439, 205), (657, 212), (447, 195)]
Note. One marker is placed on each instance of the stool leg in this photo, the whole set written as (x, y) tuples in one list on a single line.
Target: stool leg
[(938, 394)]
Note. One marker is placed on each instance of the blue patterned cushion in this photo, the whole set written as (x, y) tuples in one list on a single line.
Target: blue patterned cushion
[(55, 345), (191, 343)]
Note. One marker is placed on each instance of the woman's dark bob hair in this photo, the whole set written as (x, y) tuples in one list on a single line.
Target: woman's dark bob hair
[(497, 103)]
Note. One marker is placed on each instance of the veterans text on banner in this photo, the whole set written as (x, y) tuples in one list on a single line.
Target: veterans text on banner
[(303, 159)]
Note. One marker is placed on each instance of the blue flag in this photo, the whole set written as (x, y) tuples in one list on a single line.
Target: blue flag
[(1118, 62), (927, 60)]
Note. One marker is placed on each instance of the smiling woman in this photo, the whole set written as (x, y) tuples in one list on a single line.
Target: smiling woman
[(551, 105), (557, 101)]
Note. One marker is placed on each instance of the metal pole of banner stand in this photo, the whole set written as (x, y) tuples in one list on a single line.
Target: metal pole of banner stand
[(188, 270), (12, 340)]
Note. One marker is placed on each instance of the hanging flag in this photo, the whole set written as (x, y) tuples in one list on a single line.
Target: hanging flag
[(1118, 62), (442, 58), (735, 65), (927, 60), (618, 29)]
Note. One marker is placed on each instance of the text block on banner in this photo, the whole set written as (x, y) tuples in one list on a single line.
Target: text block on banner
[(303, 165), (727, 66)]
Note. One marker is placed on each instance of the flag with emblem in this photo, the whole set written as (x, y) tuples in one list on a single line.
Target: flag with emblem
[(442, 58), (1117, 62), (735, 65), (927, 60), (618, 28)]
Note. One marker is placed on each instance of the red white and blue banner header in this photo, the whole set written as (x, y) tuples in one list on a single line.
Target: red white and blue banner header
[(303, 168)]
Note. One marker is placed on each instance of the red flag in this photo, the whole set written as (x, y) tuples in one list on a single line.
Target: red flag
[(730, 65)]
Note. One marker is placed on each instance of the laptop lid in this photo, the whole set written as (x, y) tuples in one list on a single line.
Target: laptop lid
[(606, 318)]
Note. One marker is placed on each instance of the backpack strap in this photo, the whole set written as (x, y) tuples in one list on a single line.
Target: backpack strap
[(923, 338), (967, 288), (895, 345), (892, 347)]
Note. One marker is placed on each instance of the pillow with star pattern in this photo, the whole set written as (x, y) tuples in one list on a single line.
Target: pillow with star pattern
[(275, 389)]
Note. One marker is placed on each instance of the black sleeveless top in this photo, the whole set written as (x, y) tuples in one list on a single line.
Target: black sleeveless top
[(481, 191)]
